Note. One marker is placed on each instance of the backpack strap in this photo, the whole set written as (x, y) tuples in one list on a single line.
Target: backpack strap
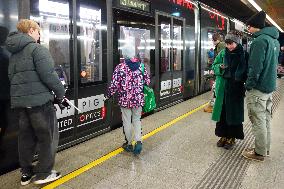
[(143, 68)]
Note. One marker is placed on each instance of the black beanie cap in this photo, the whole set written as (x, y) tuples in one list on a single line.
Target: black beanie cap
[(257, 20)]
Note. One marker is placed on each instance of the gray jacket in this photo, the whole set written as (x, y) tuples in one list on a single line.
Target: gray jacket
[(31, 72)]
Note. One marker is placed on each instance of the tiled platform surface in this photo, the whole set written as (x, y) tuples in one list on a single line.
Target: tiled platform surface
[(182, 156)]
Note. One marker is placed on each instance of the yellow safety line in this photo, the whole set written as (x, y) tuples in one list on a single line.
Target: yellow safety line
[(172, 122), (115, 152)]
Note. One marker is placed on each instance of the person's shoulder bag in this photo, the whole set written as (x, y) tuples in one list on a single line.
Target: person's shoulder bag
[(149, 95)]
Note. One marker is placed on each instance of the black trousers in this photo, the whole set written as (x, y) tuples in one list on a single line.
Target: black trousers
[(38, 127), (4, 108)]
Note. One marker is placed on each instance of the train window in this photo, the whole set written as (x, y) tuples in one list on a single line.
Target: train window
[(9, 14), (90, 44), (135, 42), (53, 18), (211, 23), (165, 46), (177, 46)]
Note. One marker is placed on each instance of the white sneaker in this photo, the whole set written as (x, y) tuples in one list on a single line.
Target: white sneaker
[(52, 177)]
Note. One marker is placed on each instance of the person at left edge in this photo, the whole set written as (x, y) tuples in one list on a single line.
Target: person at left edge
[(5, 84), (33, 80), (127, 82)]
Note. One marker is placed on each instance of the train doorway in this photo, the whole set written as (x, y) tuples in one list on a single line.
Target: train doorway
[(92, 67), (134, 35), (170, 56), (75, 34), (56, 37)]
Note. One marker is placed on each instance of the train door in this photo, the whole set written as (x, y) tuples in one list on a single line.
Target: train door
[(54, 20), (92, 67), (133, 36), (169, 32), (79, 56)]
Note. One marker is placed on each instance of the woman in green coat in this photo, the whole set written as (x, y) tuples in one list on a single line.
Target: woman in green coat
[(230, 68)]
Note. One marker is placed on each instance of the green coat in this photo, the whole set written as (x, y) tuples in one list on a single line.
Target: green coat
[(263, 60), (220, 46), (31, 72), (219, 86), (229, 87)]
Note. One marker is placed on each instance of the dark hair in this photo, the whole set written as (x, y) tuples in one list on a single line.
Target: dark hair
[(229, 41), (216, 36)]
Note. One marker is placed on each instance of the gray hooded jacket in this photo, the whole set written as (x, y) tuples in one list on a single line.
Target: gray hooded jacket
[(31, 72)]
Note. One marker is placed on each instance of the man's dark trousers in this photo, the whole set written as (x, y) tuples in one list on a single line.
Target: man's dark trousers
[(38, 127)]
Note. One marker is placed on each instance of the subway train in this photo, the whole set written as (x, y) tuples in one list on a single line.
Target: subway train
[(88, 38)]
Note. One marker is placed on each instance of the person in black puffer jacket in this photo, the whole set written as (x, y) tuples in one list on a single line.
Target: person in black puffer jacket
[(5, 83), (33, 81)]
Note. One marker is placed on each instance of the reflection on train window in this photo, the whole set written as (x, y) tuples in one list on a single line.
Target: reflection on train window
[(210, 50), (55, 34), (177, 47), (135, 42), (165, 47), (9, 14), (90, 44)]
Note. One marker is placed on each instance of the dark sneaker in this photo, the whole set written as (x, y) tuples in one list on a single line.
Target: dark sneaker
[(52, 177), (229, 143), (26, 179), (221, 142), (127, 147), (250, 154), (138, 148)]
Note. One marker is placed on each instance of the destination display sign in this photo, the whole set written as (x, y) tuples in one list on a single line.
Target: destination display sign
[(136, 4)]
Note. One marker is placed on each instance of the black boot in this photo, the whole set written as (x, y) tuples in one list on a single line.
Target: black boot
[(221, 142), (127, 147), (229, 143)]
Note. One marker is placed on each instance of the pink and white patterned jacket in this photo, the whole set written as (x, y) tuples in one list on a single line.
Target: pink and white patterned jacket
[(128, 85)]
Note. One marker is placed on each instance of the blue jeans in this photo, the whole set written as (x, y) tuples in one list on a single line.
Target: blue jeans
[(38, 130)]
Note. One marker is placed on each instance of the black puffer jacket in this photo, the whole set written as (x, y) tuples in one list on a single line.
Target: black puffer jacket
[(5, 83), (31, 72)]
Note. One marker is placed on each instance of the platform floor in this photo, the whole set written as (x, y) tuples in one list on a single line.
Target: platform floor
[(183, 155)]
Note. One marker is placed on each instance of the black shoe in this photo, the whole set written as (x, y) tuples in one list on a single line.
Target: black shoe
[(127, 147), (229, 143), (26, 179), (221, 142)]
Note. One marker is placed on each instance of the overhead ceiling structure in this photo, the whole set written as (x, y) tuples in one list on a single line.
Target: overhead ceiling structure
[(243, 9), (235, 8), (275, 9)]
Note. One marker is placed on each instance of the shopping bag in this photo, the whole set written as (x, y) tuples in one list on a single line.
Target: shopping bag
[(149, 96)]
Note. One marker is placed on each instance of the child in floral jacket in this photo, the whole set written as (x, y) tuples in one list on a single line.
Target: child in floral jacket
[(127, 81)]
